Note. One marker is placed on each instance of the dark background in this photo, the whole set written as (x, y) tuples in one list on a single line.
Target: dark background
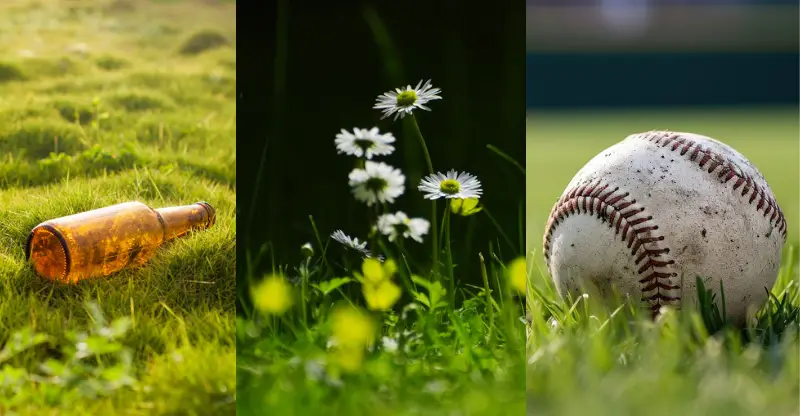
[(661, 53), (661, 79), (306, 72)]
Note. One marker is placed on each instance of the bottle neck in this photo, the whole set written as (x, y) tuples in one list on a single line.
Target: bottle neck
[(180, 220)]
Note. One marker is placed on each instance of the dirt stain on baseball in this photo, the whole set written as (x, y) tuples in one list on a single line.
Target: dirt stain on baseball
[(691, 254), (687, 193)]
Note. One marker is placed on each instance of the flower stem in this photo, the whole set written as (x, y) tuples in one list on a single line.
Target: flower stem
[(304, 292), (402, 268), (422, 143), (488, 293), (449, 252), (435, 237), (500, 230), (372, 235)]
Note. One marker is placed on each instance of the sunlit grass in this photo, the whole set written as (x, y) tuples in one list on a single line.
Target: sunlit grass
[(99, 106)]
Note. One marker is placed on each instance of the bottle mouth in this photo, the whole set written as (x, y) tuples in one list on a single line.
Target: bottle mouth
[(212, 214), (46, 247)]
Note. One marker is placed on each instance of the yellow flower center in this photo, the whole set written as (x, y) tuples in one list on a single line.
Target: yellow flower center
[(376, 184), (364, 144), (450, 186), (407, 98)]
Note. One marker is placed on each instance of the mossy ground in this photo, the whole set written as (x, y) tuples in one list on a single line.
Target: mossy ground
[(99, 106)]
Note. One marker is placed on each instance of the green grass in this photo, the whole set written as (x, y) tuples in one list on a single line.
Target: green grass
[(428, 355), (622, 363), (125, 117), (581, 358)]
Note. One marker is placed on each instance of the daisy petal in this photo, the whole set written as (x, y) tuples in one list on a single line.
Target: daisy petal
[(451, 185)]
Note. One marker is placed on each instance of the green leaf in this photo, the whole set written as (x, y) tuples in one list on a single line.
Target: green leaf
[(55, 368), (436, 293), (20, 341), (423, 299), (329, 286)]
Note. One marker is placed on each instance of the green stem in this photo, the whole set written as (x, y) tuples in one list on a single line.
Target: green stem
[(435, 237), (404, 272), (422, 143), (374, 236), (444, 218), (304, 292), (449, 252), (507, 158), (322, 248), (489, 303), (500, 230)]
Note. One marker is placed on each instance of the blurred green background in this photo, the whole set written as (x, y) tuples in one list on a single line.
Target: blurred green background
[(599, 71), (323, 74)]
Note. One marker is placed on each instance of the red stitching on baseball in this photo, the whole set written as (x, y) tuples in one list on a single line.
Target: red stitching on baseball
[(637, 233), (729, 170)]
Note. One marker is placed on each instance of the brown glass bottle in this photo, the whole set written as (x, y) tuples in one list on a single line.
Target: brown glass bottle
[(103, 241)]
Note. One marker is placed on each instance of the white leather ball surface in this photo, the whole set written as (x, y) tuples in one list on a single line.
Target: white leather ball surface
[(651, 213)]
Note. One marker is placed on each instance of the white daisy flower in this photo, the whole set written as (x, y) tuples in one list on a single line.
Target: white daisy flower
[(377, 182), (399, 225), (351, 243), (363, 142), (402, 102), (452, 185)]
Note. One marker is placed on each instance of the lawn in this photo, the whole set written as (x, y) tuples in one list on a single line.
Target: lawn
[(587, 360), (103, 102), (560, 143)]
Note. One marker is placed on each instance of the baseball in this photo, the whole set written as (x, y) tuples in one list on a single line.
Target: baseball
[(653, 212)]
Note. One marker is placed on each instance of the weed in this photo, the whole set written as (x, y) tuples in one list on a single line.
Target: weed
[(111, 63), (202, 41)]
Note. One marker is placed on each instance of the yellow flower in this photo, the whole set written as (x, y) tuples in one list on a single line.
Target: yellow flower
[(381, 296), (465, 207), (518, 274), (375, 272), (379, 290), (273, 295), (349, 358), (352, 327)]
